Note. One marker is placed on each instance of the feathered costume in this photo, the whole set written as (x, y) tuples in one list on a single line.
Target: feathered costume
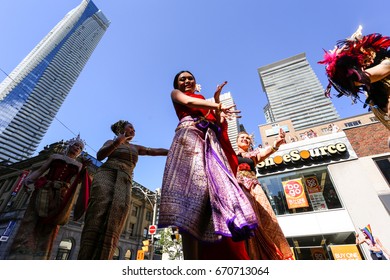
[(345, 68)]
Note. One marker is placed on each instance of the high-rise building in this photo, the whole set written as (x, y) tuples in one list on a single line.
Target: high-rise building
[(294, 92), (32, 94), (233, 124)]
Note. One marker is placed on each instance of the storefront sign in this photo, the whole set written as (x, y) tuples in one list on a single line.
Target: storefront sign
[(295, 194), (345, 252), (296, 156)]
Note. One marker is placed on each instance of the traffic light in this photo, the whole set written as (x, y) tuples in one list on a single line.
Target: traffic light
[(146, 244), (175, 234)]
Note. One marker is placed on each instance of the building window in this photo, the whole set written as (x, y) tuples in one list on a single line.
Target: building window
[(302, 191), (134, 211), (145, 232), (373, 119), (131, 229), (352, 124), (384, 166), (149, 216)]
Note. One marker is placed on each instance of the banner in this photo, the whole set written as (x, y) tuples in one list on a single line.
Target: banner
[(19, 184), (345, 252), (315, 193), (318, 254), (295, 194), (312, 185)]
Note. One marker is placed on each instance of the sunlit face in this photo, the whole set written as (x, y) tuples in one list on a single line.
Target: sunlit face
[(75, 150), (186, 82), (244, 141), (129, 130), (369, 58)]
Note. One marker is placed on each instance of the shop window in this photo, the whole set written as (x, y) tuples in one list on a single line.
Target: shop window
[(301, 191), (322, 247), (64, 249)]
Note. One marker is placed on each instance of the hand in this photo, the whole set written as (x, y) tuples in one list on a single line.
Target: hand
[(28, 186), (229, 113), (281, 138), (218, 92), (122, 138)]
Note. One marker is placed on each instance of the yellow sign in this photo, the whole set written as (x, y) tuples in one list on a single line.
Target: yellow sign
[(140, 255), (295, 194), (345, 252)]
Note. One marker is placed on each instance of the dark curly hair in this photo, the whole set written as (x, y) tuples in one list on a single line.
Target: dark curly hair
[(119, 127)]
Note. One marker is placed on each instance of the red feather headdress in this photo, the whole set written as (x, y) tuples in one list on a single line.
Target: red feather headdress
[(345, 64)]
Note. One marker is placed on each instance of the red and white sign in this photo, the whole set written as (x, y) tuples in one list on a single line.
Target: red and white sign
[(152, 229)]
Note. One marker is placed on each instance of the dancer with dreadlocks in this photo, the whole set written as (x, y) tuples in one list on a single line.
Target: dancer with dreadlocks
[(361, 64), (55, 186)]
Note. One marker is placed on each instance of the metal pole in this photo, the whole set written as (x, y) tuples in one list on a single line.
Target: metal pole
[(156, 195)]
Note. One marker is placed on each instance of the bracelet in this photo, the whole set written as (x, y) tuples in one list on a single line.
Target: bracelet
[(274, 148)]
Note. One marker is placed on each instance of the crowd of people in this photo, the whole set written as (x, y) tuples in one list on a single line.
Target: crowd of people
[(210, 192)]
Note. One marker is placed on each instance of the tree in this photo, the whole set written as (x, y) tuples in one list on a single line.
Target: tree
[(171, 244)]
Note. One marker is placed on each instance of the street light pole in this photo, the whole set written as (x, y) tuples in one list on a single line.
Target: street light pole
[(156, 196)]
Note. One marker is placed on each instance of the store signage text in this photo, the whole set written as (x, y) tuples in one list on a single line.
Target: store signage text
[(296, 156)]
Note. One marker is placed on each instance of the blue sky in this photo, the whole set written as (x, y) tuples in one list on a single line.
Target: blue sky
[(129, 75)]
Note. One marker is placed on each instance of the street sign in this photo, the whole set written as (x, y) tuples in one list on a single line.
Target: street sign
[(152, 229)]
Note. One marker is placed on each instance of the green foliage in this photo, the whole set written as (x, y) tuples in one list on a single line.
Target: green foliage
[(170, 246)]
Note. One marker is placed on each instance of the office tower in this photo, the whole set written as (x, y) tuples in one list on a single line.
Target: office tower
[(33, 92), (233, 124), (294, 92)]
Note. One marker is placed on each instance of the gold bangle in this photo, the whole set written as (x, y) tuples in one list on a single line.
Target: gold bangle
[(274, 148)]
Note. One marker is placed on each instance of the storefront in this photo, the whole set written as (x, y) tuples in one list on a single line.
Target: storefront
[(305, 183)]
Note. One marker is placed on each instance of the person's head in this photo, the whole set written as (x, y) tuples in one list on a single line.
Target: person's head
[(74, 147), (184, 81), (244, 140), (123, 127)]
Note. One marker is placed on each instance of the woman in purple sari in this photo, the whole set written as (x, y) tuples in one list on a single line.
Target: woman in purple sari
[(200, 194)]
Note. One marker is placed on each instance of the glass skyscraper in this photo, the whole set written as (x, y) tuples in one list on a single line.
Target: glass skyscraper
[(31, 95), (294, 92)]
